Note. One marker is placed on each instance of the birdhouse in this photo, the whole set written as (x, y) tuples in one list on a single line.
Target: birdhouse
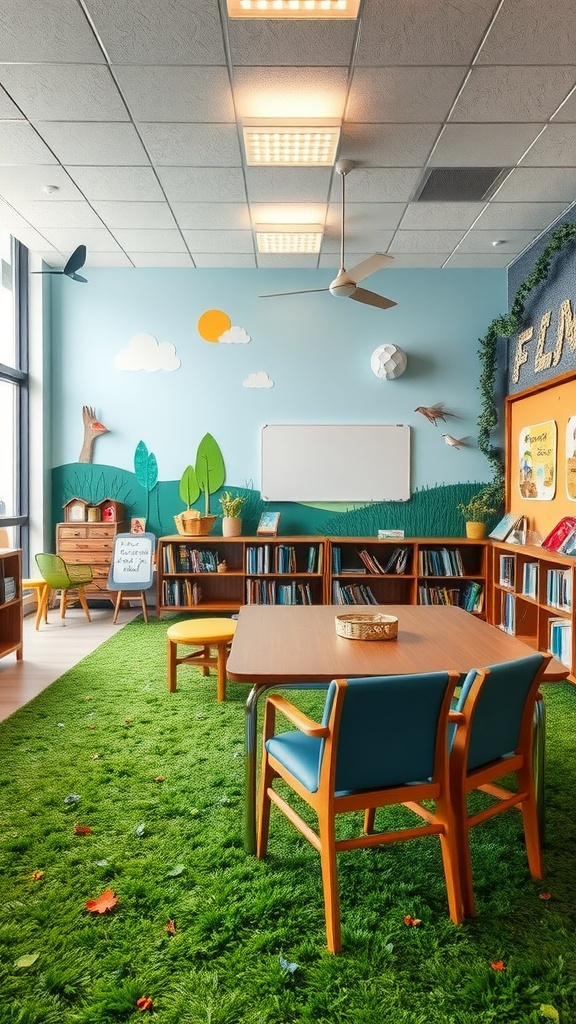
[(75, 510), (111, 511)]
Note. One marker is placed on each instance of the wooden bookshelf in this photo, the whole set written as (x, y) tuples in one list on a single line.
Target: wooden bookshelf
[(10, 606), (532, 597)]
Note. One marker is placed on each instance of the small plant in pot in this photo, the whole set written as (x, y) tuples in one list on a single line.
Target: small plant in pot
[(476, 513), (232, 505)]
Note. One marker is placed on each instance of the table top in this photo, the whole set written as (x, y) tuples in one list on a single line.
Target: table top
[(287, 643)]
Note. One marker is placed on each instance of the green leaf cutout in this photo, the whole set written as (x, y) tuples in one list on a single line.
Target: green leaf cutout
[(189, 489), (141, 464), (210, 471), (27, 961)]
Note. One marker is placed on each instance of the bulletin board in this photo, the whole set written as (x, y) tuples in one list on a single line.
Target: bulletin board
[(335, 462), (132, 566), (553, 401)]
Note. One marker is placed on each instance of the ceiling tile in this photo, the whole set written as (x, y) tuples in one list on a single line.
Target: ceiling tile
[(285, 261), (417, 259), (192, 94), (225, 261), (27, 181), (364, 217), (84, 142), (36, 32), (49, 256), (95, 239), (171, 32), (288, 184), (567, 111), (64, 92), (520, 215), (107, 259), (34, 240), (463, 260), (556, 147), (213, 215), (149, 240), (483, 145), (413, 32), (403, 94), (387, 145), (117, 183), (11, 219), (290, 92), (422, 216), (539, 184), (512, 241), (219, 241), (8, 109), (134, 214), (161, 259), (56, 214), (203, 184), (512, 94), (375, 240), (189, 145), (20, 144), (527, 32), (425, 241), (282, 42), (373, 184)]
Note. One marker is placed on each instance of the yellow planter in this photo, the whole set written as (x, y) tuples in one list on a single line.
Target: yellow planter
[(476, 531)]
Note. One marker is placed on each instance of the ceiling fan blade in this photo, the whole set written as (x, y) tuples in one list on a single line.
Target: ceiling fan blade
[(46, 271), (305, 291), (77, 260), (372, 299), (76, 277), (369, 266)]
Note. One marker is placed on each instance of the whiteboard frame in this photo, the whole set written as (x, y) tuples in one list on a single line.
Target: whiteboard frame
[(335, 462)]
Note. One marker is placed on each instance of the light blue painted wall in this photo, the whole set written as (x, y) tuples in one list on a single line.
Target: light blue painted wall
[(315, 348)]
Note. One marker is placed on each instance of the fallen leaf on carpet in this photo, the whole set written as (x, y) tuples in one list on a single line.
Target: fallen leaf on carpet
[(412, 922), (497, 965), (140, 830), (159, 778), (27, 961), (545, 896), (549, 1011), (82, 830), (72, 799), (94, 757), (171, 927), (102, 863), (37, 875), (144, 1003), (287, 966), (106, 901), (175, 871)]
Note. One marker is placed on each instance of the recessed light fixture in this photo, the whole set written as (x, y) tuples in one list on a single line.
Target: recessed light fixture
[(289, 238), (499, 241), (293, 8), (288, 142)]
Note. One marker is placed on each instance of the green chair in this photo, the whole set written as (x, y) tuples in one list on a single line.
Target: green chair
[(62, 576), (382, 741)]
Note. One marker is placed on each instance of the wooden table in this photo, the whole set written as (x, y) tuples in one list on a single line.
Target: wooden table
[(286, 645)]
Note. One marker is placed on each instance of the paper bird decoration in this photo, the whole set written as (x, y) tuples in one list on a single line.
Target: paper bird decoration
[(434, 412), (456, 442)]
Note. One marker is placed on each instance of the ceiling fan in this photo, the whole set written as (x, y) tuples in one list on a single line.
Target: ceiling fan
[(76, 261), (345, 285)]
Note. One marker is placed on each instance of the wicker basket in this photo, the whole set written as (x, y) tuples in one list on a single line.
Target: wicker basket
[(194, 527), (371, 626)]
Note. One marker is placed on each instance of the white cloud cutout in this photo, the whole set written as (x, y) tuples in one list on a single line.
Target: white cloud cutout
[(258, 380), (145, 353), (234, 336)]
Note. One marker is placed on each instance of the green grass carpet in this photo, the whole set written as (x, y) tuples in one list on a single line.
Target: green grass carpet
[(172, 851)]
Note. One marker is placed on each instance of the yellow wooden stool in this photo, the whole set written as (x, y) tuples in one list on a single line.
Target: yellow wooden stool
[(41, 588), (204, 634)]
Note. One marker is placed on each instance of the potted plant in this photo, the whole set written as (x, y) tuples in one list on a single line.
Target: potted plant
[(477, 511), (231, 508)]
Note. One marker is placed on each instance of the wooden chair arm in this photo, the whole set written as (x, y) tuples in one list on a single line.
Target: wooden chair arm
[(456, 718), (297, 717)]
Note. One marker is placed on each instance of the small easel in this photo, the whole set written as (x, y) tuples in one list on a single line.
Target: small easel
[(132, 569), (128, 595)]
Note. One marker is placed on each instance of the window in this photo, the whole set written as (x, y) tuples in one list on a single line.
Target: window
[(14, 391)]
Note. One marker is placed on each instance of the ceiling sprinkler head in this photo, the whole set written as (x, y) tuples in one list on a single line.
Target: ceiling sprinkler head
[(499, 241), (49, 189)]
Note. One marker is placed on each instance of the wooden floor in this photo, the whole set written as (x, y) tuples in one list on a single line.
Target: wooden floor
[(53, 650)]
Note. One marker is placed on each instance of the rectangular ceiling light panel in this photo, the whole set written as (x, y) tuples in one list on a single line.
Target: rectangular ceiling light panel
[(291, 143), (293, 8), (289, 238)]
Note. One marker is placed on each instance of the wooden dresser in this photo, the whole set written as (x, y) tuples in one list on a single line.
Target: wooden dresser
[(90, 544)]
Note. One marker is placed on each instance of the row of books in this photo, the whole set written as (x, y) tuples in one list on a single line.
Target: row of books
[(352, 593), (560, 640), (182, 558), (8, 589), (559, 588), (508, 614), (507, 574), (181, 593), (530, 579), (440, 562), (271, 592), (469, 596), (281, 558), (396, 562)]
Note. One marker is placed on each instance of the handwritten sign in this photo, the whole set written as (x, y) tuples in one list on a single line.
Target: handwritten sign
[(132, 561)]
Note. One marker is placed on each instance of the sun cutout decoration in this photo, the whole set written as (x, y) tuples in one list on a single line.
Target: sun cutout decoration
[(213, 323)]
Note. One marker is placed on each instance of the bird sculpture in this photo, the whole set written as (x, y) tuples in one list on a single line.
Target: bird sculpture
[(456, 442), (92, 429), (434, 412)]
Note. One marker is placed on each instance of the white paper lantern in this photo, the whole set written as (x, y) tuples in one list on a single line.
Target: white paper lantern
[(388, 361)]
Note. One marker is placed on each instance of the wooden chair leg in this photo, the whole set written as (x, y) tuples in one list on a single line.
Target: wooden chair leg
[(171, 653), (63, 601), (460, 806), (84, 603), (369, 816), (531, 824), (221, 671), (327, 834), (450, 860), (266, 776)]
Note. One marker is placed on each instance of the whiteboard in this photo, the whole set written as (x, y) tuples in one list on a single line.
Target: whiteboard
[(335, 462), (132, 565)]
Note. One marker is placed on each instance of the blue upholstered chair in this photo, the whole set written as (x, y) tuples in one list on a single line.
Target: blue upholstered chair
[(381, 741), (495, 740)]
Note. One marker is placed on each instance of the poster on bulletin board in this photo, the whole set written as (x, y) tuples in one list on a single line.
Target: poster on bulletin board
[(537, 461)]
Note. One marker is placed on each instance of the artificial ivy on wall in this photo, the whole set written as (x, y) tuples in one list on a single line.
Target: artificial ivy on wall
[(504, 327)]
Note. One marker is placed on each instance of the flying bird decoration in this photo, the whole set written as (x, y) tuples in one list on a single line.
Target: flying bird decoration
[(434, 412), (92, 429), (456, 442)]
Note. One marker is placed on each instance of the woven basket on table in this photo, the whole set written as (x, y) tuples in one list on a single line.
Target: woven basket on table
[(367, 626), (198, 526)]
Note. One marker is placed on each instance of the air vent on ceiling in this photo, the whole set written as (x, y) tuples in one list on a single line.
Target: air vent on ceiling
[(459, 184)]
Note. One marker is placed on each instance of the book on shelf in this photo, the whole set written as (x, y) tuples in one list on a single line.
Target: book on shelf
[(560, 639), (507, 570), (568, 546), (268, 525), (510, 523), (508, 614), (530, 579), (390, 534), (559, 588)]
